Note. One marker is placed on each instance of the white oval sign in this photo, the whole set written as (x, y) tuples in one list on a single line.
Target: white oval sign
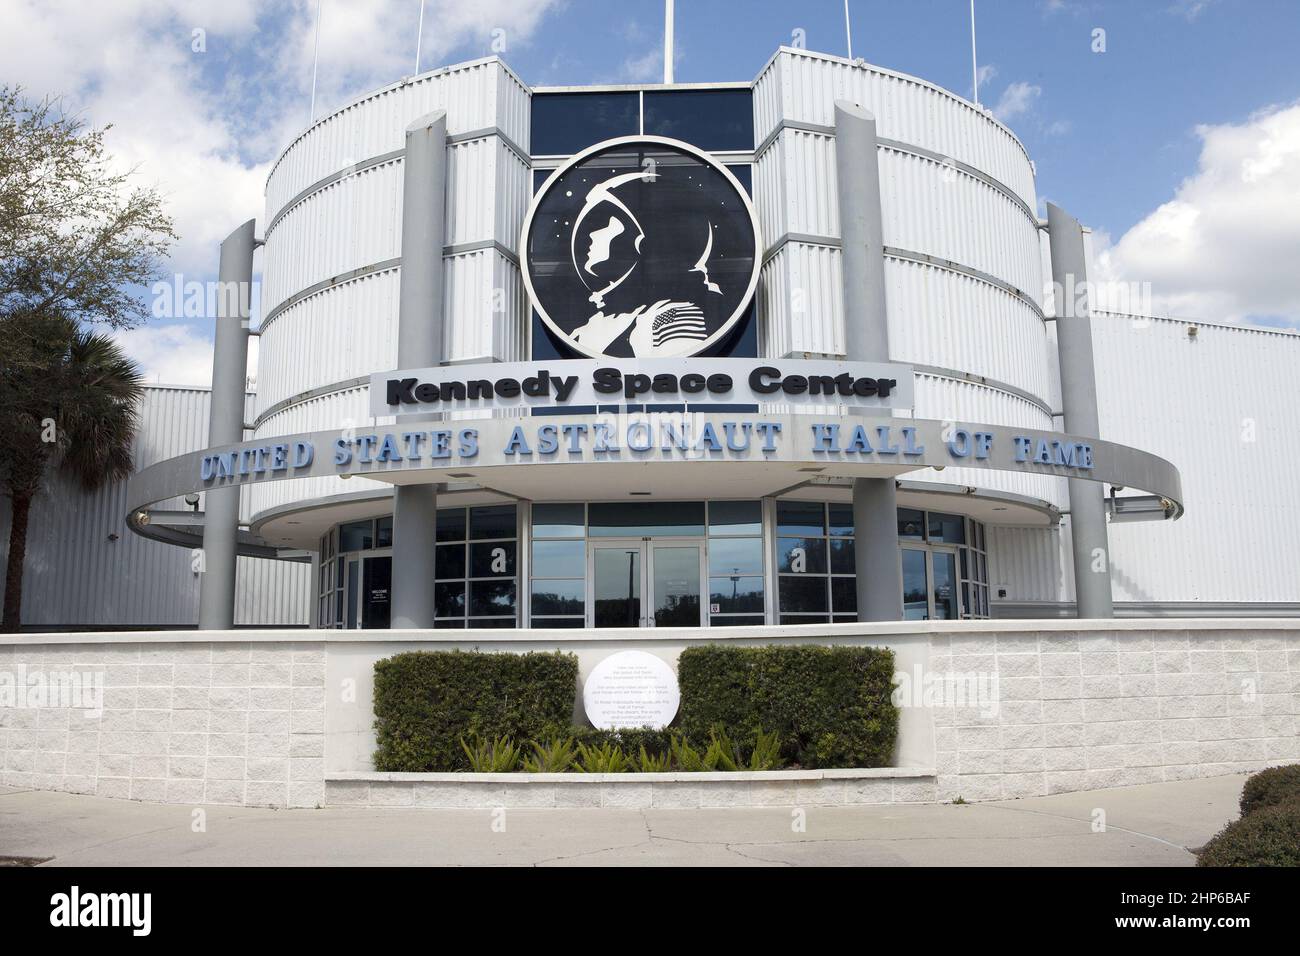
[(631, 689)]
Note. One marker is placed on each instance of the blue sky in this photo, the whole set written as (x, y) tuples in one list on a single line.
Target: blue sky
[(1179, 145)]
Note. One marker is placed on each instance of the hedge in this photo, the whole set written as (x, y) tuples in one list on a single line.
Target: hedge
[(1271, 787), (830, 706), (425, 702), (1268, 836)]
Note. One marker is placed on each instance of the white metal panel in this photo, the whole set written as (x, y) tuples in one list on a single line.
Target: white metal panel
[(488, 191), (85, 568), (1031, 564), (802, 86), (482, 94), (343, 332), (800, 305), (1221, 406), (485, 306)]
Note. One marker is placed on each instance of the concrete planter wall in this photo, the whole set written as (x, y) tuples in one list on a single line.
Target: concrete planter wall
[(283, 718)]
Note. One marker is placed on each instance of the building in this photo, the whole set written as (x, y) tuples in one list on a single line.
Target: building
[(651, 503)]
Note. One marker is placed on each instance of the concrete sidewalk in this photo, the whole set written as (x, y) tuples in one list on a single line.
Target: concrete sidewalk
[(1150, 825)]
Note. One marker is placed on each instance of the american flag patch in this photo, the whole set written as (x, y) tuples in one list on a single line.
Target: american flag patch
[(679, 322)]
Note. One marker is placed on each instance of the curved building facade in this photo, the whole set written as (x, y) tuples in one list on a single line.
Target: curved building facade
[(659, 505)]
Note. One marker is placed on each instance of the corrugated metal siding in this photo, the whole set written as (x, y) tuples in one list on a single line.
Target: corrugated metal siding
[(1221, 407), (801, 308), (479, 95), (1032, 564), (77, 577), (802, 86)]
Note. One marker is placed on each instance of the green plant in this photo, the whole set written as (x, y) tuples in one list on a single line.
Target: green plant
[(498, 756), (425, 702), (653, 763), (685, 757), (1269, 836), (766, 754), (827, 706), (554, 756), (1271, 787), (607, 758), (721, 753)]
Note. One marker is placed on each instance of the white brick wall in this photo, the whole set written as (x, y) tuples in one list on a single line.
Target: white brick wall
[(1080, 710), (226, 723)]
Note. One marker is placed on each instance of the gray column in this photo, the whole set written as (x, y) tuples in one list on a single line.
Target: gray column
[(419, 344), (1079, 405), (866, 339), (226, 426)]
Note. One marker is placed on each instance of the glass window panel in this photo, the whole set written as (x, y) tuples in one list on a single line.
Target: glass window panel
[(338, 573), (491, 597), (801, 555), (495, 521), (800, 517), (638, 518), (451, 524), (676, 586), (844, 596), (616, 572), (802, 593), (493, 622), (565, 123), (945, 586), (559, 597), (916, 590), (449, 561), (911, 523), (844, 619), (736, 556), (805, 619), (449, 599), (561, 559), (559, 622), (950, 529), (736, 620), (965, 564), (735, 517), (736, 594), (357, 535), (982, 568), (494, 559), (456, 622), (841, 519), (559, 521), (842, 556), (384, 532), (709, 119), (978, 528)]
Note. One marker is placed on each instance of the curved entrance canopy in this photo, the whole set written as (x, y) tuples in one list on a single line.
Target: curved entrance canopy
[(755, 452)]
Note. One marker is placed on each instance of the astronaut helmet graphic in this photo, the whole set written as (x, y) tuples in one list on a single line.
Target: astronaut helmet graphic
[(641, 247)]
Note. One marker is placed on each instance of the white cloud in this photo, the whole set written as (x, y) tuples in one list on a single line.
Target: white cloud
[(1016, 99), (1189, 9), (1224, 248), (169, 354)]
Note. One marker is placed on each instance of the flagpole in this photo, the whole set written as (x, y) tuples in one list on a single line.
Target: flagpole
[(848, 29), (974, 70), (315, 61), (419, 36), (668, 41)]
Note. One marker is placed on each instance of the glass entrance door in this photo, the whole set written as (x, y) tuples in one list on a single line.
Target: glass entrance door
[(930, 584), (376, 591), (645, 583)]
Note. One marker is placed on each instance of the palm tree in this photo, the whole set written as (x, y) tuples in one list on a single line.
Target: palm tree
[(69, 401)]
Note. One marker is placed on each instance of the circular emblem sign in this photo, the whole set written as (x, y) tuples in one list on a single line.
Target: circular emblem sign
[(641, 247), (631, 689)]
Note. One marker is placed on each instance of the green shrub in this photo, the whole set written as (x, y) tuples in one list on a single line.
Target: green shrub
[(425, 702), (1270, 787), (500, 755), (556, 756), (653, 763), (629, 739), (827, 706), (607, 758), (1269, 836), (685, 757)]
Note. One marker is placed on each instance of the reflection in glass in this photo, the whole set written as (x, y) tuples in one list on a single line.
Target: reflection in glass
[(841, 520), (495, 521), (561, 559), (558, 597), (844, 596), (493, 559), (911, 523), (950, 529), (449, 599), (802, 594), (843, 560), (945, 586), (617, 582), (559, 521), (736, 556), (801, 555), (492, 597), (356, 536), (634, 519), (735, 594), (449, 561), (916, 590), (735, 517), (677, 586), (800, 517), (451, 524)]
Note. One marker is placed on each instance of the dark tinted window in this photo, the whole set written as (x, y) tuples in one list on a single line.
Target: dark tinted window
[(709, 119), (566, 123)]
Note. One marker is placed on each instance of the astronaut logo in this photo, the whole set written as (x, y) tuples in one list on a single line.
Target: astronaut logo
[(641, 247)]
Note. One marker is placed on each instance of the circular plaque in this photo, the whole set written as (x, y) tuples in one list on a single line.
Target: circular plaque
[(631, 689)]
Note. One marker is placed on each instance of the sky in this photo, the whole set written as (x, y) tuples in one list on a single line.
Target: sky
[(1174, 132)]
